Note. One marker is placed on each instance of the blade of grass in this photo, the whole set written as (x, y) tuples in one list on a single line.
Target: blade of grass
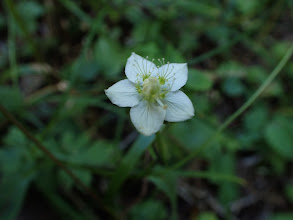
[(246, 105)]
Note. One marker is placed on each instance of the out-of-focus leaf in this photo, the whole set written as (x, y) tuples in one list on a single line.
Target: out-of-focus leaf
[(98, 154), (15, 154), (192, 133), (80, 150), (7, 94), (206, 216), (225, 164), (289, 192), (128, 163), (2, 21), (274, 89), (109, 57), (256, 74), (247, 7), (67, 182), (148, 210), (173, 56), (279, 136), (29, 11), (146, 32), (231, 69), (282, 216), (85, 70), (219, 34), (150, 49), (13, 189), (51, 194), (17, 170), (201, 8), (233, 87), (198, 81), (165, 180), (278, 49), (256, 119)]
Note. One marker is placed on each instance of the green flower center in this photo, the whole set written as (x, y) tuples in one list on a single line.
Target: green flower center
[(151, 88)]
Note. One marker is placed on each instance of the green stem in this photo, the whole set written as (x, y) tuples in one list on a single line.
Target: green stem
[(161, 149), (246, 105), (58, 162)]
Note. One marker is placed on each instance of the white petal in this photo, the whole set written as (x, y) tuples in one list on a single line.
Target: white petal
[(179, 108), (123, 94), (176, 73), (137, 67), (147, 117)]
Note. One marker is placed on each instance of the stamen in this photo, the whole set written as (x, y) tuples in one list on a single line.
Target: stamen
[(161, 104)]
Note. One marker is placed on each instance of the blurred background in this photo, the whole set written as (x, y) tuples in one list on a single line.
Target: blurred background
[(58, 56)]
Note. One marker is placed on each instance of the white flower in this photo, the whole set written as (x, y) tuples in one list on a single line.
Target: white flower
[(152, 93)]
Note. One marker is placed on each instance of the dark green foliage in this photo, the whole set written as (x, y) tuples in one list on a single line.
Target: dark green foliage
[(58, 57)]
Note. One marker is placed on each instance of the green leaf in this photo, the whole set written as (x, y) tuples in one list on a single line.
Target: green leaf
[(282, 216), (233, 87), (110, 57), (63, 207), (247, 7), (256, 74), (85, 69), (256, 119), (128, 163), (231, 69), (147, 31), (148, 210), (225, 164), (173, 55), (279, 136), (16, 154), (29, 11), (192, 134), (198, 81), (207, 216), (279, 48), (289, 192), (13, 189), (165, 180), (80, 150), (7, 94), (67, 182), (99, 154), (149, 49)]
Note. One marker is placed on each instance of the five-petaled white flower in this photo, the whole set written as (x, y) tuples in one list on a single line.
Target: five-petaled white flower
[(153, 93)]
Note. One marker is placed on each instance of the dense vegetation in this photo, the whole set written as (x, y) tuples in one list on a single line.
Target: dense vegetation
[(66, 152)]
